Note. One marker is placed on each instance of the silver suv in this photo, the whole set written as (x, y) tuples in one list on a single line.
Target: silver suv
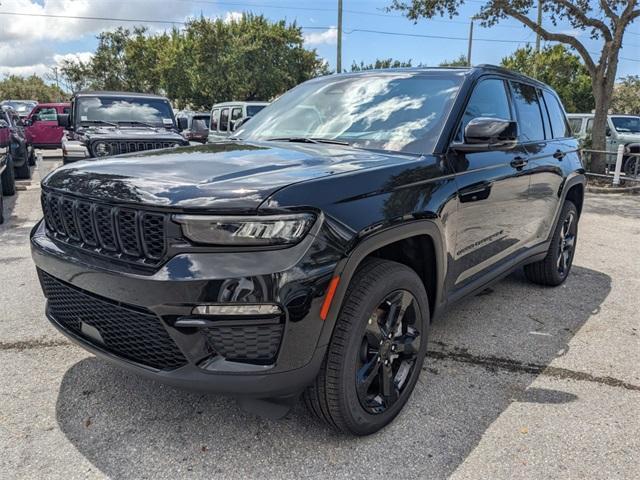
[(621, 130), (226, 117)]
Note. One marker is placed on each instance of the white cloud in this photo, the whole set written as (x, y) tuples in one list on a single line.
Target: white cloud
[(328, 37), (40, 65), (230, 17)]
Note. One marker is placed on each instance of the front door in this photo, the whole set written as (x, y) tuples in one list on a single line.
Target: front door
[(492, 192), (44, 129)]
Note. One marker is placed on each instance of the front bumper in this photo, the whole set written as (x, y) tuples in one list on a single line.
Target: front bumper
[(293, 278)]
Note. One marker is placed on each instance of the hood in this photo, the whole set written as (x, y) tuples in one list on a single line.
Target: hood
[(129, 133), (219, 177), (628, 137)]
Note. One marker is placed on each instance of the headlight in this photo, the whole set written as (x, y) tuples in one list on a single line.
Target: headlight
[(257, 231), (101, 149)]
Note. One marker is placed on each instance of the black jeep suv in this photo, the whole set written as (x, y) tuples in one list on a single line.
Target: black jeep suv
[(102, 124), (310, 252)]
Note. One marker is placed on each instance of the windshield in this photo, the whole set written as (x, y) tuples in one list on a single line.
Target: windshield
[(253, 109), (151, 111), (384, 111), (626, 124), (22, 107)]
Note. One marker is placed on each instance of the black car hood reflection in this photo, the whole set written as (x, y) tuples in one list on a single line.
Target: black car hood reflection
[(221, 176), (138, 132)]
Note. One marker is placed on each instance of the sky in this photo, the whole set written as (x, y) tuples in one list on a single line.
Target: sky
[(33, 43)]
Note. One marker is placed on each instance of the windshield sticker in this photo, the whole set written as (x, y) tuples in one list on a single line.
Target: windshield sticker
[(84, 118), (167, 121)]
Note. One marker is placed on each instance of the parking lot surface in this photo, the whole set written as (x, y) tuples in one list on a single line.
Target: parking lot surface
[(521, 382)]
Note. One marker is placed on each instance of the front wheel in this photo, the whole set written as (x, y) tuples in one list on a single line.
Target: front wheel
[(23, 171), (8, 179), (555, 267), (376, 352)]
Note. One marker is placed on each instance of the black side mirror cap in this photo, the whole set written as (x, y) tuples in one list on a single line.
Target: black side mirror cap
[(183, 123), (64, 120), (485, 134)]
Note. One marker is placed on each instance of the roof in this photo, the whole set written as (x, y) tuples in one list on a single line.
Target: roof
[(243, 102), (54, 104), (116, 94)]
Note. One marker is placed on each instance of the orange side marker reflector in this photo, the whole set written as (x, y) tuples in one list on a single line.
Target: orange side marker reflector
[(331, 291)]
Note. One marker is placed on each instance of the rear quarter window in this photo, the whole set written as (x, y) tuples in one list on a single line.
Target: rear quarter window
[(559, 124)]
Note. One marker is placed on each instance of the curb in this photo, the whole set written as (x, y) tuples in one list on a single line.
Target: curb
[(605, 190)]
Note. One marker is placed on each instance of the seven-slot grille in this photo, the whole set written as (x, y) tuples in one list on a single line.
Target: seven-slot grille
[(126, 331), (129, 146), (125, 233)]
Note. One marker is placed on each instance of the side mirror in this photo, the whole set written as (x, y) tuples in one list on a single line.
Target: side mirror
[(64, 120), (485, 134), (183, 123), (29, 121)]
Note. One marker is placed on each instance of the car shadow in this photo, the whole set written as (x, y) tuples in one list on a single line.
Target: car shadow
[(483, 357)]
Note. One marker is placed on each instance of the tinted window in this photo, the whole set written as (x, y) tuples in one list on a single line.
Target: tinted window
[(224, 120), (556, 115), (530, 124), (253, 109), (66, 110), (489, 99), (214, 119), (388, 111), (47, 114), (576, 125), (200, 123), (626, 124)]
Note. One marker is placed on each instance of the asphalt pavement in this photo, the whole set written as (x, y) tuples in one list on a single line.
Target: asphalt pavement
[(521, 382)]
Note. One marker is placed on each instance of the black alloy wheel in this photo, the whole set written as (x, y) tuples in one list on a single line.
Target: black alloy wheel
[(388, 352), (567, 244), (376, 352)]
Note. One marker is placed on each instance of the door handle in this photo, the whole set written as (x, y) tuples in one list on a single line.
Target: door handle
[(559, 155), (519, 162)]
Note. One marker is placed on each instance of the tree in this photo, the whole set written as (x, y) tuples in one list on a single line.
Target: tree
[(626, 96), (461, 61), (606, 20), (558, 68), (30, 88), (379, 64), (206, 62)]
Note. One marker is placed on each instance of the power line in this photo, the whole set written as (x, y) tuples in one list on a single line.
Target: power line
[(439, 37)]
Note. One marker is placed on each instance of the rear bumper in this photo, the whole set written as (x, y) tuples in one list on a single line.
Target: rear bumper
[(285, 277)]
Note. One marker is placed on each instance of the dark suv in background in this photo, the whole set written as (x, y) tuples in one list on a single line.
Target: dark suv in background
[(311, 251), (21, 153), (102, 124)]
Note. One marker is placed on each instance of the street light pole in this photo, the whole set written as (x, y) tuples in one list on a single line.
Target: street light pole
[(339, 52), (470, 43)]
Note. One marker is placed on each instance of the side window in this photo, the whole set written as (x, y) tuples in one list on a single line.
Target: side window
[(236, 113), (215, 113), (489, 99), (589, 125), (530, 124), (545, 116), (47, 114), (576, 125), (556, 115), (66, 110), (224, 120)]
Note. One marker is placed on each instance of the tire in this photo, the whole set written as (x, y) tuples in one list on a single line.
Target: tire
[(337, 396), (630, 165), (32, 156), (8, 179), (1, 210), (554, 269), (23, 171)]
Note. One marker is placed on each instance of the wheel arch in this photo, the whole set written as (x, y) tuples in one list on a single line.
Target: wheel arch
[(389, 244)]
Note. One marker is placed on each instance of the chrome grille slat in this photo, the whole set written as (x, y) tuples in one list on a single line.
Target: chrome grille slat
[(132, 146), (125, 233)]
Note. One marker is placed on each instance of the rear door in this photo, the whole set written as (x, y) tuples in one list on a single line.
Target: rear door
[(492, 191)]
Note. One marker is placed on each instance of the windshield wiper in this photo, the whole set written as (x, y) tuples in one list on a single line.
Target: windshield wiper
[(135, 122), (101, 122), (308, 140)]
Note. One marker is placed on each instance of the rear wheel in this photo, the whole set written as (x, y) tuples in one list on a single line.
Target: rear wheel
[(8, 179), (32, 156), (555, 267), (376, 351), (23, 171)]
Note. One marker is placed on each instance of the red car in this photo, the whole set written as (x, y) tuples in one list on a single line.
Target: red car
[(42, 128)]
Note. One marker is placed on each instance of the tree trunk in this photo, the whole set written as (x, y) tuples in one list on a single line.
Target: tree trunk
[(598, 133)]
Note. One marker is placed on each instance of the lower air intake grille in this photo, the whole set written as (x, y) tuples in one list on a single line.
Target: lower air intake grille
[(128, 332), (246, 343)]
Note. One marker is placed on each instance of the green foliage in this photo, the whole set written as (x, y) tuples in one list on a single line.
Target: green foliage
[(30, 88), (626, 96), (379, 64), (558, 68), (207, 62), (461, 61)]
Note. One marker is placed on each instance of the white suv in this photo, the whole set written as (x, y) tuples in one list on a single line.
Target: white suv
[(225, 117)]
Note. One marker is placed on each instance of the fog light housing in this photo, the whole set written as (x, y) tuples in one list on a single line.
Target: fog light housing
[(226, 309)]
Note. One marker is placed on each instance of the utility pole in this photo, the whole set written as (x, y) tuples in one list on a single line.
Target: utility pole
[(339, 52), (539, 24), (470, 43)]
